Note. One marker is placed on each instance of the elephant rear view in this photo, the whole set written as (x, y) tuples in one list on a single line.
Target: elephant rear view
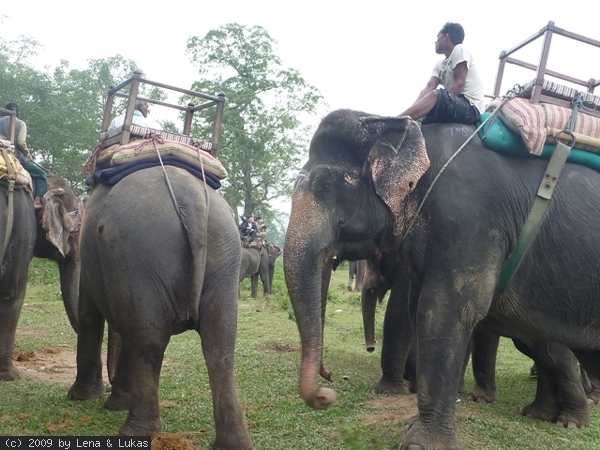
[(154, 265)]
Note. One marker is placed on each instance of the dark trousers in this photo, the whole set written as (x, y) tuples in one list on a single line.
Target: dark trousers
[(39, 177)]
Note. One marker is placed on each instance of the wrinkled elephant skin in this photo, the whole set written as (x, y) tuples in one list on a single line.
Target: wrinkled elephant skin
[(13, 271), (152, 274), (370, 177)]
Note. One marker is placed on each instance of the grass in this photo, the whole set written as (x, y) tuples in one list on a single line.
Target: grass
[(267, 362)]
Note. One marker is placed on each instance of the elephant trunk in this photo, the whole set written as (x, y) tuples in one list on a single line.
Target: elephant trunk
[(303, 266), (69, 285), (369, 303), (371, 293)]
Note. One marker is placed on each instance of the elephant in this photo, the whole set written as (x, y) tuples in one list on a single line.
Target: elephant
[(152, 282), (356, 272), (255, 262), (274, 253), (54, 230), (451, 211), (14, 265)]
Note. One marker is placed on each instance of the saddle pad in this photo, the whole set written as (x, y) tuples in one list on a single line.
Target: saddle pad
[(22, 176), (557, 90), (141, 149), (541, 123), (498, 137), (113, 175)]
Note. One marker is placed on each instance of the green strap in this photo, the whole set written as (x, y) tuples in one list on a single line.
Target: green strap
[(534, 220)]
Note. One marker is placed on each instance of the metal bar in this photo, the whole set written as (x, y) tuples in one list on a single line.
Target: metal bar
[(530, 39), (110, 100), (133, 92), (187, 123), (552, 73), (183, 91), (541, 69), (119, 86), (499, 76), (217, 124)]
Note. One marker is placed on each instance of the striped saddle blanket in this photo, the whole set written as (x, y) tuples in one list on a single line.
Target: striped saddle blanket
[(542, 123)]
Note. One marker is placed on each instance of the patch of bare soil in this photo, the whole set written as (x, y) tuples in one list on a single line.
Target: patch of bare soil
[(168, 441), (54, 364), (391, 409)]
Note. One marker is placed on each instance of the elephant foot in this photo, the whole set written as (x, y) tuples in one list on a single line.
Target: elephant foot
[(139, 427), (593, 396), (233, 440), (574, 419), (541, 411), (11, 374), (117, 400), (349, 288), (419, 437), (80, 391), (388, 387), (482, 395)]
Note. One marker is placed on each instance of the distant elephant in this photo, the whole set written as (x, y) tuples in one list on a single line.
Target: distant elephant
[(381, 178), (55, 237), (155, 265), (255, 262), (356, 272), (274, 253)]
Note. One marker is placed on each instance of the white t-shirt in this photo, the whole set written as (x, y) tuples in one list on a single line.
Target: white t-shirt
[(138, 119), (473, 90)]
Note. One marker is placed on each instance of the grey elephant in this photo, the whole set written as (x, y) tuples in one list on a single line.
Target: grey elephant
[(372, 178), (54, 232), (255, 263), (154, 265), (17, 216), (274, 252), (356, 272)]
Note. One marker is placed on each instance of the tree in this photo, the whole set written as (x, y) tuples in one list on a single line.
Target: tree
[(263, 139)]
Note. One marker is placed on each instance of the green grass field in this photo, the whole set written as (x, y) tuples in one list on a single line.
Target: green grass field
[(267, 362)]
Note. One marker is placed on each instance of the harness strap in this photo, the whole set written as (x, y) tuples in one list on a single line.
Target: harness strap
[(10, 212), (540, 203)]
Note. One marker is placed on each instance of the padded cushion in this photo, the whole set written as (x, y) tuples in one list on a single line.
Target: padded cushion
[(139, 150), (540, 123), (498, 137)]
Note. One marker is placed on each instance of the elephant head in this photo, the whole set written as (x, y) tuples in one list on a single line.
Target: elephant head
[(354, 188), (58, 239)]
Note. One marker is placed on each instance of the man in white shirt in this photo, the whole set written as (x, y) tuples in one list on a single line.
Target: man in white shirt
[(140, 117), (461, 98)]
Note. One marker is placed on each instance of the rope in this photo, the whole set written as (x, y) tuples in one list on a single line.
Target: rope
[(157, 140), (509, 95)]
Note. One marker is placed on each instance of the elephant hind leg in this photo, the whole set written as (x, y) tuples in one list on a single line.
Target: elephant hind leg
[(9, 316), (218, 334), (120, 396), (88, 383)]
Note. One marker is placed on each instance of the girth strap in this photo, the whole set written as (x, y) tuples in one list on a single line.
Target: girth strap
[(540, 203)]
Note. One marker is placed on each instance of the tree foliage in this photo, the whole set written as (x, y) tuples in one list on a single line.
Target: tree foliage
[(63, 109), (263, 140)]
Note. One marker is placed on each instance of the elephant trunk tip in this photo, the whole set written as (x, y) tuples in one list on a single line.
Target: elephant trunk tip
[(371, 348), (322, 399)]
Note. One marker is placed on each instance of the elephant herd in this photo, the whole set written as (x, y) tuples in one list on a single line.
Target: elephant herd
[(435, 226), (438, 215)]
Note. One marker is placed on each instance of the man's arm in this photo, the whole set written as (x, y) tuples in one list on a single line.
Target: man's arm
[(460, 78), (22, 140), (432, 84)]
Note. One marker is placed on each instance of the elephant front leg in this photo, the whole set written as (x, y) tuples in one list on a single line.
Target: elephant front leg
[(9, 316), (396, 363), (88, 383), (485, 349), (442, 340), (254, 285)]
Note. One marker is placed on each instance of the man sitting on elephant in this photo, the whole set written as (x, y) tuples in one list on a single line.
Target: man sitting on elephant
[(38, 174), (461, 99)]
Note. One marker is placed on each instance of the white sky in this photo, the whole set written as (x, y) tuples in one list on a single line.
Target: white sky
[(372, 55)]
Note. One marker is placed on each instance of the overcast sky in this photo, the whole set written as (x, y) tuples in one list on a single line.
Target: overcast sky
[(373, 56)]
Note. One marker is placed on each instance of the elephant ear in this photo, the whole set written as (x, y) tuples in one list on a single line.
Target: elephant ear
[(398, 159), (57, 221)]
